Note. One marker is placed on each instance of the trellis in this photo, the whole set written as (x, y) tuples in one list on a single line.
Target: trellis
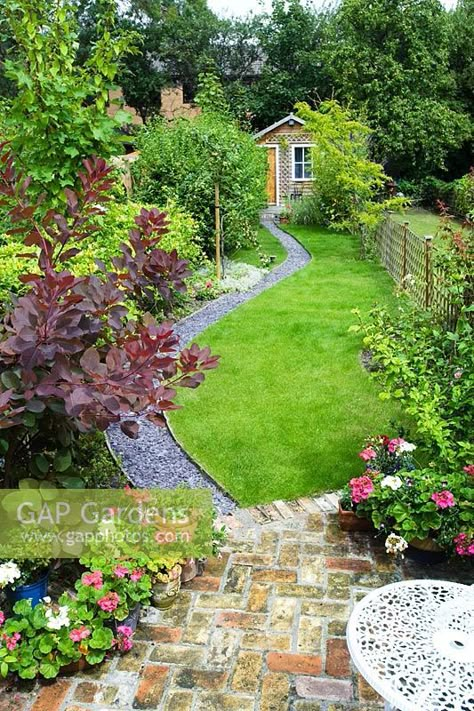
[(409, 260)]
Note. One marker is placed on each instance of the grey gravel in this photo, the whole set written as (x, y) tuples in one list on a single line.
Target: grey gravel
[(155, 459)]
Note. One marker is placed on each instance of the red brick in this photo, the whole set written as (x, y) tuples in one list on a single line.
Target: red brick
[(331, 689), (150, 690), (274, 576), (242, 620), (51, 697), (160, 634), (351, 564), (294, 663), (337, 658), (203, 583)]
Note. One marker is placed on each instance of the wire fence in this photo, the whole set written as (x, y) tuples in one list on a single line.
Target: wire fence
[(409, 259)]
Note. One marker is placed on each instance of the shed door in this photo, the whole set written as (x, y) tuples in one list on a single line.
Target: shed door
[(271, 175)]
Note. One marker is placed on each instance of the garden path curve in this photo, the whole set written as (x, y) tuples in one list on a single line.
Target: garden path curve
[(155, 459)]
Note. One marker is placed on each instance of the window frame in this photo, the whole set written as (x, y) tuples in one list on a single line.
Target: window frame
[(293, 162)]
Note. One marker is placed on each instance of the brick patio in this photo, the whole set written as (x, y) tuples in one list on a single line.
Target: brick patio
[(262, 630)]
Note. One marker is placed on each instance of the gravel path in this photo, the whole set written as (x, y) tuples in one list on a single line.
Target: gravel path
[(155, 459)]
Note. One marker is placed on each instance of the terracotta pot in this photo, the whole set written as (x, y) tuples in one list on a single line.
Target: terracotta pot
[(164, 594), (74, 667), (349, 521), (189, 570)]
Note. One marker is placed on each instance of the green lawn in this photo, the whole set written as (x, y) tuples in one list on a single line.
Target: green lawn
[(268, 244), (421, 222), (289, 406)]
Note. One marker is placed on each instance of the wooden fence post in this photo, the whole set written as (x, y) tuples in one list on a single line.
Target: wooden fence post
[(404, 253), (217, 206), (428, 271)]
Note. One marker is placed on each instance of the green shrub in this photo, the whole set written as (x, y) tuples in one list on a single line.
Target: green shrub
[(410, 188), (433, 190), (429, 368), (185, 159), (103, 244), (464, 195)]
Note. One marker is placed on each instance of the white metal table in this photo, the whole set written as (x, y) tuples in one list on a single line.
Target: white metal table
[(414, 644)]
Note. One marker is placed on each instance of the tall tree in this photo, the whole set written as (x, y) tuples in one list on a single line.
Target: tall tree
[(390, 58), (290, 38), (176, 38)]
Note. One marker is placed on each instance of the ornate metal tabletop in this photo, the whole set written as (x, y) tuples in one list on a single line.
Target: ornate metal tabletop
[(414, 643)]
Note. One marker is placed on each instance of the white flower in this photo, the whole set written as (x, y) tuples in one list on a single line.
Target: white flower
[(406, 447), (47, 600), (393, 482), (395, 544), (9, 572), (58, 619)]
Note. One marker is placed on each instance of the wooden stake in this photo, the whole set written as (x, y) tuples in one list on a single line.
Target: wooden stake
[(217, 207), (404, 253), (428, 271)]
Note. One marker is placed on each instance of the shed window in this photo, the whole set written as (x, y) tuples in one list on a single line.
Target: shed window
[(302, 163)]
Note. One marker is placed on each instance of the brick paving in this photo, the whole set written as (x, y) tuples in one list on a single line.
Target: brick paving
[(262, 630)]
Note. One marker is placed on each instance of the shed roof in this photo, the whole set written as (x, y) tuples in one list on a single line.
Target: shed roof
[(290, 117)]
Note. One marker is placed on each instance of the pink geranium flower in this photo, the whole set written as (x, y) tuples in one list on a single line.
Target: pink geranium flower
[(367, 454), (136, 575), (394, 444), (125, 630), (464, 546), (443, 499), (124, 640), (93, 579), (469, 469), (109, 602), (120, 571), (11, 642), (79, 634), (2, 618), (361, 488)]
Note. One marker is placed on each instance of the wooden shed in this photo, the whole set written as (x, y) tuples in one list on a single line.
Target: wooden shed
[(289, 159)]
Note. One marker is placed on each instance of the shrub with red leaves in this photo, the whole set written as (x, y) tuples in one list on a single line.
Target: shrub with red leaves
[(71, 359)]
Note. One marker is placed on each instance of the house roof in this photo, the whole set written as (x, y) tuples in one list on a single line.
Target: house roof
[(290, 117)]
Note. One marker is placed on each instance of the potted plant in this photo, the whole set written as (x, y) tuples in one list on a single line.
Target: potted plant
[(117, 588), (427, 511), (382, 455), (165, 574), (25, 579), (285, 215), (191, 567), (49, 638)]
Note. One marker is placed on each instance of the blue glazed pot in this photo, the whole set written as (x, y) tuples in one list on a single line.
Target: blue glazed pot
[(34, 591)]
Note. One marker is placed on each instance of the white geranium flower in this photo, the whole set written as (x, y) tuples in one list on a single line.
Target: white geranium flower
[(58, 619), (395, 544), (9, 572), (406, 447), (393, 482), (47, 600)]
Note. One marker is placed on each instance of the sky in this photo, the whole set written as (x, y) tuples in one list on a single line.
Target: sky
[(243, 7)]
